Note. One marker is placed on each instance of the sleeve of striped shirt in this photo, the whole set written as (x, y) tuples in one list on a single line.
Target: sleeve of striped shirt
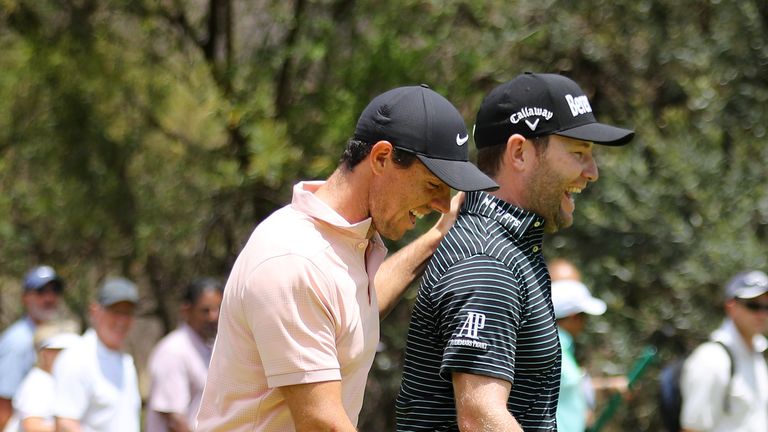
[(479, 303)]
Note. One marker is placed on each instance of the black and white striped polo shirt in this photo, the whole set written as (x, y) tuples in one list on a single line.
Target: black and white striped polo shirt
[(484, 307)]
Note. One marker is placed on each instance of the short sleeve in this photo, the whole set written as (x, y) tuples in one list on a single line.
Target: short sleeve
[(35, 396), (702, 386), (170, 389), (71, 387), (291, 312), (480, 305), (16, 359)]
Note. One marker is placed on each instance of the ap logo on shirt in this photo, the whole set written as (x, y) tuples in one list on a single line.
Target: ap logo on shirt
[(468, 334), (474, 322)]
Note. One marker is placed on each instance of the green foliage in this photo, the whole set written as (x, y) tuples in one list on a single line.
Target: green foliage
[(142, 138)]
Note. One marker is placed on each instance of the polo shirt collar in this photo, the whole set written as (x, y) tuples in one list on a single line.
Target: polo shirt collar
[(521, 223), (305, 201)]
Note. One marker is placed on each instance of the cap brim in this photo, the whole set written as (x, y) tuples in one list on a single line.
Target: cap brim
[(593, 306), (41, 282), (60, 341), (599, 133), (460, 175), (748, 293)]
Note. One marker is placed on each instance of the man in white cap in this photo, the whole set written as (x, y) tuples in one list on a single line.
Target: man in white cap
[(724, 383), (96, 387)]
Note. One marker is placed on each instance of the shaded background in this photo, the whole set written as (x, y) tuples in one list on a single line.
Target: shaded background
[(147, 138)]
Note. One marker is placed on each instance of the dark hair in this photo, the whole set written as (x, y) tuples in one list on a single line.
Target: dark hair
[(357, 150), (199, 286), (489, 158)]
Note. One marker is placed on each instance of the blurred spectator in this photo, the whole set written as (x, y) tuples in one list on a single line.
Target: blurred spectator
[(573, 303), (713, 400), (562, 269), (42, 292), (33, 402), (96, 388), (179, 363)]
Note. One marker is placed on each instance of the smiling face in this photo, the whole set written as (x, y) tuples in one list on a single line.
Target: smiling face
[(564, 169), (399, 196), (749, 315)]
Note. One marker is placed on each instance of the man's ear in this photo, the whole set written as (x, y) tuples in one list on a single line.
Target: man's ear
[(518, 152), (380, 156)]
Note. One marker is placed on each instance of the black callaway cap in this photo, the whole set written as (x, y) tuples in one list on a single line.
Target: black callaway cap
[(418, 120), (535, 105)]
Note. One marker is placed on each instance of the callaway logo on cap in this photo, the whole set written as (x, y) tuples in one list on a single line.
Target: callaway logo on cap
[(418, 120), (534, 105)]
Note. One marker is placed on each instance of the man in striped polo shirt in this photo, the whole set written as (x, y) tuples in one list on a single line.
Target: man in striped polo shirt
[(482, 350)]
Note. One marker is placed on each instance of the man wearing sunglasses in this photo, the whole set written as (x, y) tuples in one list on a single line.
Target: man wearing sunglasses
[(725, 387), (40, 296)]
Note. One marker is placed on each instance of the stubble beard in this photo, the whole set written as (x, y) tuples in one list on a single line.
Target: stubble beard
[(546, 192)]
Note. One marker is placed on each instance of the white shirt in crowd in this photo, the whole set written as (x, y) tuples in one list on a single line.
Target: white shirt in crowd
[(97, 386)]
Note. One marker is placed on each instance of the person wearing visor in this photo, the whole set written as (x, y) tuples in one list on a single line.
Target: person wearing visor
[(573, 303), (728, 390), (34, 401), (482, 351), (41, 296), (299, 322)]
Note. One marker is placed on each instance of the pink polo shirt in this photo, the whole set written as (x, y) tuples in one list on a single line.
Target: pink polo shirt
[(178, 367), (299, 307)]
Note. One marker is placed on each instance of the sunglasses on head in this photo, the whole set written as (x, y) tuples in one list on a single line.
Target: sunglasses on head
[(754, 306)]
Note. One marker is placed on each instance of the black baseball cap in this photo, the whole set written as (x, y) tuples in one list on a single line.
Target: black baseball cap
[(535, 105), (416, 119)]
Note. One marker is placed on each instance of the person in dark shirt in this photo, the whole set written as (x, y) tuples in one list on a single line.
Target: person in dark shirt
[(482, 350)]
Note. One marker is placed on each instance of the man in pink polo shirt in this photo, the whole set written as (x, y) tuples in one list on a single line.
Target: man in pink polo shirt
[(178, 365), (299, 322)]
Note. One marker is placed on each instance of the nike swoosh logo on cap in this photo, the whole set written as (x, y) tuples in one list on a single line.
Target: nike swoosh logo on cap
[(460, 141), (532, 125)]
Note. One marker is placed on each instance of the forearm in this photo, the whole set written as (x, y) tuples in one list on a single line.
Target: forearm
[(175, 422), (399, 271), (36, 424), (489, 420), (6, 409), (67, 425)]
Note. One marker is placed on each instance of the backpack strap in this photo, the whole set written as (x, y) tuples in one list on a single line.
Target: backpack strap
[(726, 398)]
